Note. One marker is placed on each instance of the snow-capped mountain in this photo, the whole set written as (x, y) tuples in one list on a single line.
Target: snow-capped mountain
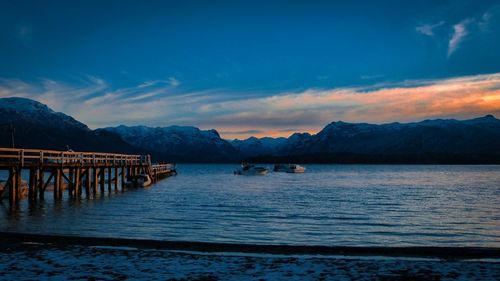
[(22, 108), (258, 146), (178, 143), (428, 141), (37, 126)]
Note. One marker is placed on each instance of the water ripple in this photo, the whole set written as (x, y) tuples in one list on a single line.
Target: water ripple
[(381, 205)]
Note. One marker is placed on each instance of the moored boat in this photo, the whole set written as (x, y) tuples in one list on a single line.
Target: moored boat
[(251, 170), (289, 168), (141, 180)]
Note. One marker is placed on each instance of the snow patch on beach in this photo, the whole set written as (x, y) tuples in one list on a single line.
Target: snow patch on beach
[(28, 262)]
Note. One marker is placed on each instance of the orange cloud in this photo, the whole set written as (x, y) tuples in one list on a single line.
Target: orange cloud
[(462, 97), (240, 115)]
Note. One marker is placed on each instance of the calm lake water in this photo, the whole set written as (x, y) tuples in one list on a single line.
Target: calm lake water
[(372, 205)]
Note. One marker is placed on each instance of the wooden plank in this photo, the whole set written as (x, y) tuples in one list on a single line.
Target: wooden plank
[(34, 157)]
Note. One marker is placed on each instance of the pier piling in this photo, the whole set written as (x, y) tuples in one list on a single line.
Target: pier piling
[(74, 171)]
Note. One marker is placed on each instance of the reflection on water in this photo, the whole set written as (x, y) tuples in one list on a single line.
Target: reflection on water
[(390, 205)]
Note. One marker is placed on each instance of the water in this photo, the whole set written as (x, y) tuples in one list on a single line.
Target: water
[(370, 205)]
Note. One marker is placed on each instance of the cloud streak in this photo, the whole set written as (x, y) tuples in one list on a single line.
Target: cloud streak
[(459, 33), (428, 29), (240, 115), (471, 26)]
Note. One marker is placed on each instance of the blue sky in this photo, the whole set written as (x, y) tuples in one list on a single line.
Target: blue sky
[(234, 65)]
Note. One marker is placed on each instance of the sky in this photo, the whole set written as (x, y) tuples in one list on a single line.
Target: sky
[(253, 68)]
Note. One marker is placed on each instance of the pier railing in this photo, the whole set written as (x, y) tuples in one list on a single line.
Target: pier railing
[(32, 157), (162, 167), (74, 171)]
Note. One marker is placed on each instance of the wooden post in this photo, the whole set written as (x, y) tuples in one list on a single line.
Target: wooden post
[(116, 178), (61, 184), (71, 175), (80, 186), (123, 178), (35, 187), (71, 183), (77, 182), (12, 186), (41, 184), (32, 184), (96, 181), (18, 183), (57, 182), (102, 175), (88, 178), (109, 179)]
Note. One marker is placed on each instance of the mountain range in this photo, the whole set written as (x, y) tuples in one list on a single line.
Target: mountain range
[(177, 143), (37, 126), (429, 141)]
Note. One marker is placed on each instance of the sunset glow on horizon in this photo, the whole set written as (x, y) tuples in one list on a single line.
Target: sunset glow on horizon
[(277, 115), (246, 69)]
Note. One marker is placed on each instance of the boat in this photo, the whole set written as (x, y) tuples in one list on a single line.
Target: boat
[(141, 180), (289, 168), (251, 170)]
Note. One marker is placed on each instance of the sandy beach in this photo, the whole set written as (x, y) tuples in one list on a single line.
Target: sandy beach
[(36, 261)]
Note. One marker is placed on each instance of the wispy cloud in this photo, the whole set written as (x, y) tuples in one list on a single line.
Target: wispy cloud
[(489, 18), (158, 104), (245, 132), (56, 94), (463, 30), (174, 82), (428, 29), (459, 33)]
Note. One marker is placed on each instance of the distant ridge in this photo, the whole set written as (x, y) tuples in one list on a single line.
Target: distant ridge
[(37, 126), (445, 141), (438, 141), (178, 143)]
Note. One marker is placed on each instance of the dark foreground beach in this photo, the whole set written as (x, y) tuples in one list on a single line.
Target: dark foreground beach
[(25, 257)]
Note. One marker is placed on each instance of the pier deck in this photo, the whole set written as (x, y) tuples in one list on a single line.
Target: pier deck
[(77, 172)]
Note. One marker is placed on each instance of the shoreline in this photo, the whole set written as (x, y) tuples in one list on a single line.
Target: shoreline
[(36, 261), (446, 253)]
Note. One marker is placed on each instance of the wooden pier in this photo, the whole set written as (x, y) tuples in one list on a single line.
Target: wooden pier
[(77, 172)]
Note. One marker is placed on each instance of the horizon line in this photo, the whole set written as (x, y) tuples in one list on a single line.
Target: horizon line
[(255, 131)]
